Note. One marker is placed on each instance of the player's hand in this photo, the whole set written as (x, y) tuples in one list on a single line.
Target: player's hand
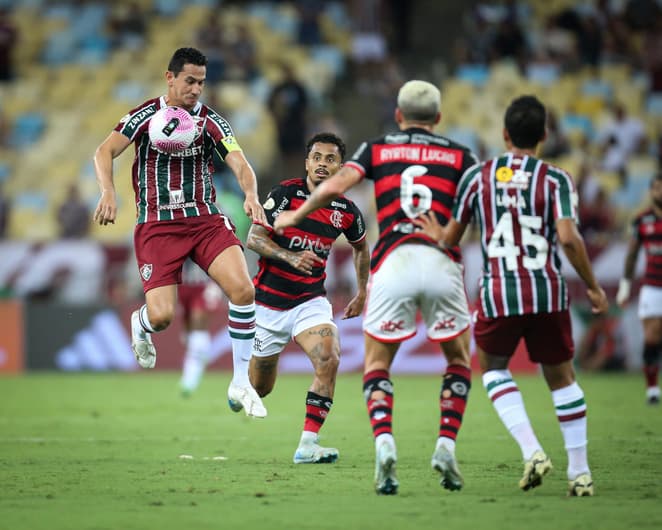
[(305, 260), (284, 219), (254, 210), (429, 225), (355, 306), (623, 294), (106, 209), (599, 302)]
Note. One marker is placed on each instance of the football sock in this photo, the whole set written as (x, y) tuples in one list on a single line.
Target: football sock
[(380, 409), (317, 409), (453, 400), (241, 326), (197, 351), (508, 402), (571, 413), (651, 364), (144, 320)]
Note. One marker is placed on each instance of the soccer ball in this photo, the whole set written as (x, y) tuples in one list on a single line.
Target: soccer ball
[(171, 130)]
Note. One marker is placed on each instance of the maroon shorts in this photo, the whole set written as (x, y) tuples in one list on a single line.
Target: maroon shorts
[(191, 297), (548, 336), (163, 246)]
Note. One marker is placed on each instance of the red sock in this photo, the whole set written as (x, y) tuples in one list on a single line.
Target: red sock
[(317, 409), (453, 400), (380, 410), (651, 372)]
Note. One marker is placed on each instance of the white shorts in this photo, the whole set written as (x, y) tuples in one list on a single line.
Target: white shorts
[(412, 278), (274, 329), (650, 302)]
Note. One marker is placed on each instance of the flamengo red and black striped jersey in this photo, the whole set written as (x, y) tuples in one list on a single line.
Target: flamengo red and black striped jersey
[(180, 185), (647, 229), (516, 202), (277, 284), (413, 171)]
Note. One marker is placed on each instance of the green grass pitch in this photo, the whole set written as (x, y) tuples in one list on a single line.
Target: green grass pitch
[(103, 452)]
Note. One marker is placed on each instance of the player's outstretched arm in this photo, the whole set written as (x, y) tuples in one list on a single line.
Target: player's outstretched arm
[(259, 240), (247, 180), (361, 255), (322, 195), (573, 245), (113, 146)]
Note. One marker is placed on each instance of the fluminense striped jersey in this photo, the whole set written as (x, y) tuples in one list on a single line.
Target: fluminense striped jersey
[(647, 229), (413, 171), (515, 201), (179, 185), (277, 284)]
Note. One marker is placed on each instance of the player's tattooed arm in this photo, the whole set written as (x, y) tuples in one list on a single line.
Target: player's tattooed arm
[(259, 240)]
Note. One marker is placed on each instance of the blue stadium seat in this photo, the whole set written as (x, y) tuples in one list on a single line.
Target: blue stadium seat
[(476, 74), (27, 129)]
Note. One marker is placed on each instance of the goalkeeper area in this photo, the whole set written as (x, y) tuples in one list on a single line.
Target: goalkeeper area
[(111, 451)]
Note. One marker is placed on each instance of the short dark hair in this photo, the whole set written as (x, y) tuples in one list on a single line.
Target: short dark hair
[(656, 177), (525, 121), (184, 56), (327, 138)]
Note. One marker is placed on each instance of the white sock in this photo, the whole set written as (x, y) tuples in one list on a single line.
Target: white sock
[(241, 326), (144, 320), (448, 443), (571, 413), (195, 360), (308, 437), (384, 436), (507, 400)]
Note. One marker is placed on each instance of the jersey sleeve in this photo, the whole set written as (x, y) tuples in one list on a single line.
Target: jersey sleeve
[(221, 134), (136, 122), (357, 230), (465, 196), (564, 196), (361, 160), (277, 201), (635, 226)]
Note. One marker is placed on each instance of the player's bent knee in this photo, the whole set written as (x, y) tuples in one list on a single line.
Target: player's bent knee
[(243, 294)]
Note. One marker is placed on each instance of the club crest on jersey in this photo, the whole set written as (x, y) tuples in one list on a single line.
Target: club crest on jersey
[(336, 218), (199, 125), (146, 271)]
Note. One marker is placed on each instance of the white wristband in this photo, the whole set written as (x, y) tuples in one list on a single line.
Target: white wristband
[(623, 293)]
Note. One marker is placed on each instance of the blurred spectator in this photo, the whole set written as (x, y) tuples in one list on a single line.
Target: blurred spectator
[(596, 222), (509, 42), (309, 32), (385, 91), (590, 40), (8, 40), (210, 42), (128, 24), (5, 208), (652, 53), (369, 48), (620, 138), (73, 215), (240, 54), (587, 183), (288, 103), (556, 144)]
